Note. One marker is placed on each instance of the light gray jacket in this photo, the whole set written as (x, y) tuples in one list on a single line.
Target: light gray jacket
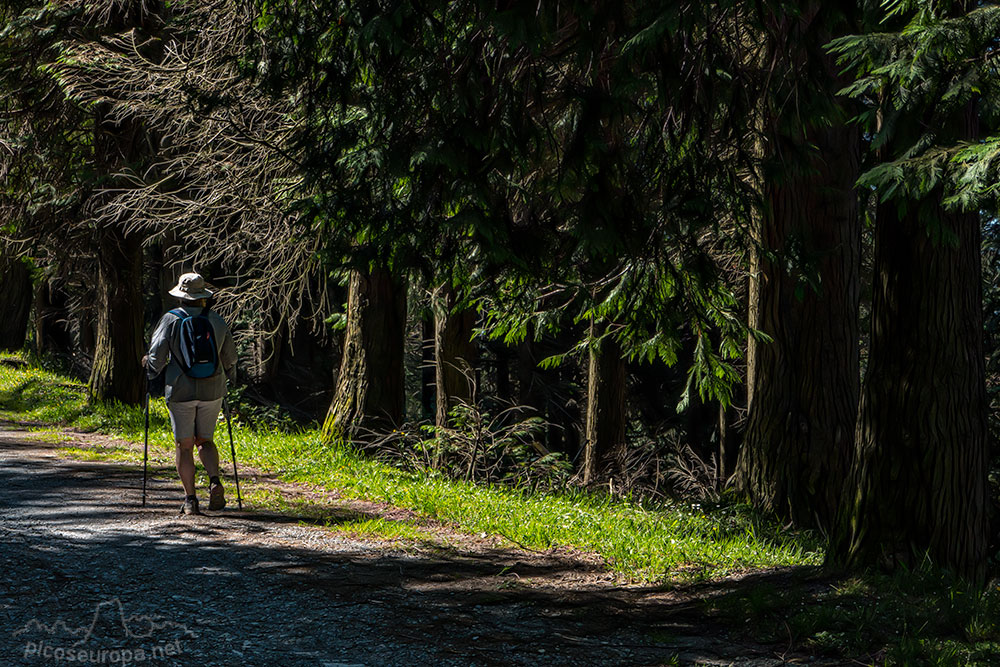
[(163, 354)]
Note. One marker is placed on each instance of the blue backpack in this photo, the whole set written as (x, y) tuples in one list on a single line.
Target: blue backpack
[(197, 354)]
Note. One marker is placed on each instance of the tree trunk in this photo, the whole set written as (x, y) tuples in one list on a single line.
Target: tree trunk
[(118, 345), (605, 441), (87, 336), (799, 435), (529, 391), (501, 354), (919, 482), (16, 295), (730, 441), (120, 145), (455, 353), (803, 384), (370, 394), (170, 269), (428, 390), (268, 346), (52, 334)]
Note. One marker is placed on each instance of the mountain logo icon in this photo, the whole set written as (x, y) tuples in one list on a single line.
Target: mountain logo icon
[(111, 634)]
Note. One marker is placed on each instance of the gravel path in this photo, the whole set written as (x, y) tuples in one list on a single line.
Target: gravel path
[(91, 577)]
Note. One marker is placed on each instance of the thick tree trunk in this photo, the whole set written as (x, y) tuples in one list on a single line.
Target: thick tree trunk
[(455, 354), (605, 440), (919, 482), (118, 345), (370, 394), (800, 430), (16, 295), (119, 314), (803, 384)]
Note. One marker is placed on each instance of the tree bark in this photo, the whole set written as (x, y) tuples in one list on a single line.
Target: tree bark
[(52, 334), (919, 481), (501, 354), (370, 394), (803, 385), (16, 295), (605, 441), (799, 435), (428, 370), (455, 353), (116, 373), (268, 347), (170, 269), (118, 346), (87, 336)]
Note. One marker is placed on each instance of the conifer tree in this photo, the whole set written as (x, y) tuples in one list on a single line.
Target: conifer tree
[(918, 486), (804, 294)]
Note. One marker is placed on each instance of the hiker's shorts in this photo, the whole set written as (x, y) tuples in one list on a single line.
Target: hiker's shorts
[(191, 419)]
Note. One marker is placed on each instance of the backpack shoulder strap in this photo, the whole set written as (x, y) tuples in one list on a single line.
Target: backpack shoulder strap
[(179, 312)]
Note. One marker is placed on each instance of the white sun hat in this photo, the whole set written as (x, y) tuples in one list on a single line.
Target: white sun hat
[(191, 287)]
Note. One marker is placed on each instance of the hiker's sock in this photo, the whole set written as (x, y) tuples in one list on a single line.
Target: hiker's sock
[(192, 497), (212, 481)]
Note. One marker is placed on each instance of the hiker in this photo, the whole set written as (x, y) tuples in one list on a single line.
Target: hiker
[(195, 347)]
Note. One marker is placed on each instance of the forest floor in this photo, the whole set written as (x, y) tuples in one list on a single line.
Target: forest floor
[(88, 570)]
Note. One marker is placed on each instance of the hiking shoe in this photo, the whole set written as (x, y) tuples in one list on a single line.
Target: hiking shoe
[(190, 506), (216, 497)]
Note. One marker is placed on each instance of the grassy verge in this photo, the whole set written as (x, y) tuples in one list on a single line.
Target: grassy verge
[(663, 543)]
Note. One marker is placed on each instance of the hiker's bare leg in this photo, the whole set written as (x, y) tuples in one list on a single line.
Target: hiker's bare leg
[(185, 464), (209, 455)]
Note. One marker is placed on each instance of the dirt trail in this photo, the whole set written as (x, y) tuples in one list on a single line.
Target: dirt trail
[(91, 577)]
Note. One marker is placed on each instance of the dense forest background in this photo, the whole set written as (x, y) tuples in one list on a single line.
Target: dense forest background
[(661, 248)]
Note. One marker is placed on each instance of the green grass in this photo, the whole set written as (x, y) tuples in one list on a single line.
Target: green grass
[(382, 528), (643, 543), (118, 454)]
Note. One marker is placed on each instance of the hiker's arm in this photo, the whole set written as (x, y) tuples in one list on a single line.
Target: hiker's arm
[(227, 355), (159, 347)]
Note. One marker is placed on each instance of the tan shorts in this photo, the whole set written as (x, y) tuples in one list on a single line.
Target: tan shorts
[(191, 419)]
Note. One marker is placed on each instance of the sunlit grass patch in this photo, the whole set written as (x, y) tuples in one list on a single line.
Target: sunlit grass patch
[(45, 434), (33, 394), (268, 498), (382, 528), (118, 454)]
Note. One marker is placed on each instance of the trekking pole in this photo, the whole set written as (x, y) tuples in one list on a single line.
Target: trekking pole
[(232, 448), (145, 449)]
